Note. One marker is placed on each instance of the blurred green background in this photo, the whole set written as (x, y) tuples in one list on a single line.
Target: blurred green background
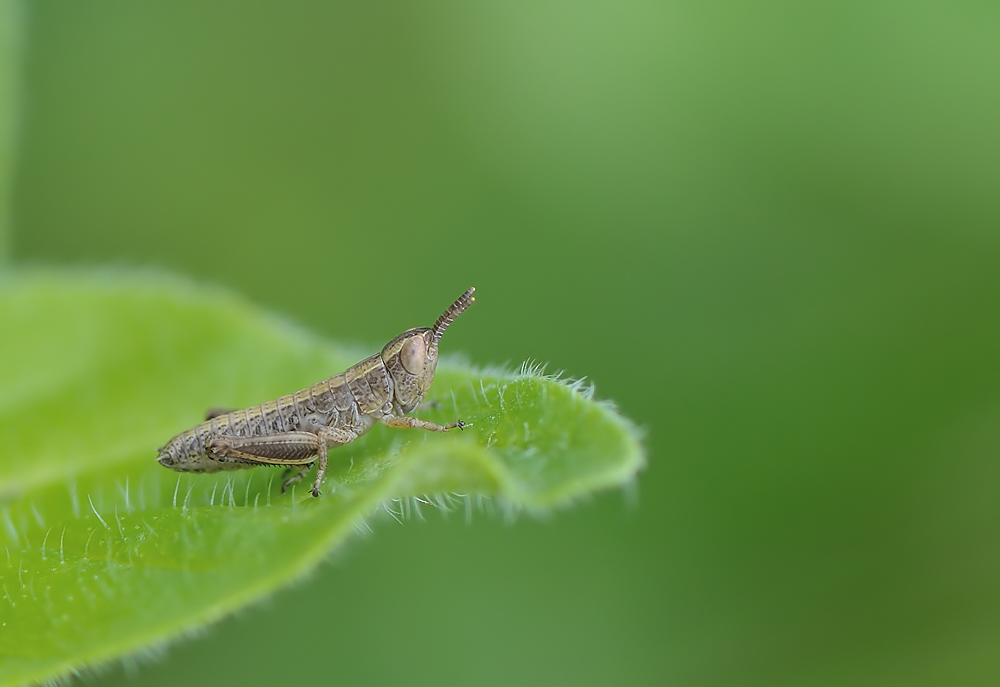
[(769, 231)]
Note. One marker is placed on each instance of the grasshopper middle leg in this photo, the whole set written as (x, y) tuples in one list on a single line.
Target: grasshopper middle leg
[(293, 474)]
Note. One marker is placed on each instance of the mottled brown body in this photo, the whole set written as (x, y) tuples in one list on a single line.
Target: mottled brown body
[(297, 430)]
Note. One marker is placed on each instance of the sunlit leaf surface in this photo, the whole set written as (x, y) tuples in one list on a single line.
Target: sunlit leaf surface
[(107, 553)]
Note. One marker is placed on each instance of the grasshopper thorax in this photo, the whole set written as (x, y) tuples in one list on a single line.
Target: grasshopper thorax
[(411, 358)]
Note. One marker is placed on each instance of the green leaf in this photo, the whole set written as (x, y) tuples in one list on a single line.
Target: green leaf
[(106, 553)]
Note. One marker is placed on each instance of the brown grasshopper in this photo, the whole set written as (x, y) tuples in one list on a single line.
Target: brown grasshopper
[(297, 430)]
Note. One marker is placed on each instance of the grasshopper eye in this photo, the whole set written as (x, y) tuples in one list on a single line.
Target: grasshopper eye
[(413, 354)]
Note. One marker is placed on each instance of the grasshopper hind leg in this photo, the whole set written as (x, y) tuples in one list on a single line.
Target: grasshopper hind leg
[(217, 412), (298, 451)]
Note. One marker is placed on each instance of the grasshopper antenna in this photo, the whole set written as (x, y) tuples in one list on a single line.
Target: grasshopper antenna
[(453, 311)]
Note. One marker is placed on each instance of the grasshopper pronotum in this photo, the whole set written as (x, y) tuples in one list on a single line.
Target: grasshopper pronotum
[(297, 430)]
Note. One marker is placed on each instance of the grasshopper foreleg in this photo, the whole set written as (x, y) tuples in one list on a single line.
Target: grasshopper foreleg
[(407, 422)]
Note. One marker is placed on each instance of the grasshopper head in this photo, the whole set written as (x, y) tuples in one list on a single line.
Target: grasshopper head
[(411, 357)]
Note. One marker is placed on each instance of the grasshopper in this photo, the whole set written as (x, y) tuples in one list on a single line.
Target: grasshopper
[(297, 430)]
